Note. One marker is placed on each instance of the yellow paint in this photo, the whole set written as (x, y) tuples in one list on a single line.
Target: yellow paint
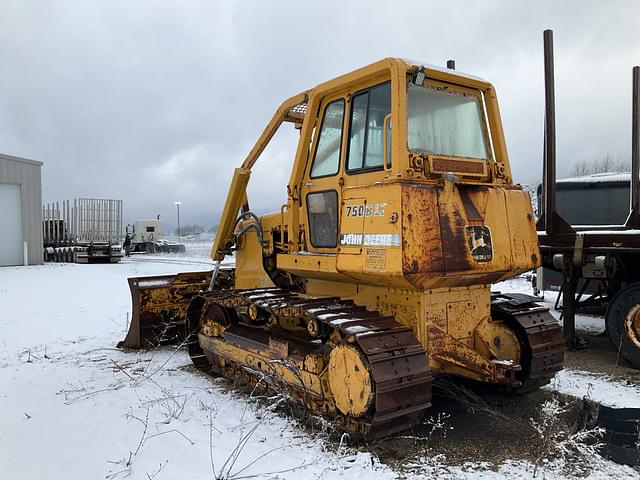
[(495, 339), (290, 371), (249, 270), (350, 380), (235, 199)]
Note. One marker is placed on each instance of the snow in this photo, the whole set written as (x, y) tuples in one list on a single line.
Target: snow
[(261, 295), (598, 178), (327, 316), (355, 329), (596, 387), (335, 323), (605, 232), (154, 283), (72, 406)]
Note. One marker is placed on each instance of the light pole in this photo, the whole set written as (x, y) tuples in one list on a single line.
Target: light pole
[(177, 204)]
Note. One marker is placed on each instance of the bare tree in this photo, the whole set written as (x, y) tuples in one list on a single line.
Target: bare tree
[(606, 164), (189, 230)]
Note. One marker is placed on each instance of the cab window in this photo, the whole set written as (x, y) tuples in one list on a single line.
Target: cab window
[(327, 156), (323, 218), (368, 110)]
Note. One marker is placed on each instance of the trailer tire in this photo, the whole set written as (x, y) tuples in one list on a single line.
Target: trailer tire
[(623, 322)]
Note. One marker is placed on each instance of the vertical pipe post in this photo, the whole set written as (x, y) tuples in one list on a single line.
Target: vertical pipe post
[(635, 147), (64, 222), (119, 220), (81, 218), (68, 222), (93, 219), (45, 230), (74, 221), (57, 214), (177, 204), (569, 304), (549, 135), (110, 220), (99, 221), (86, 227)]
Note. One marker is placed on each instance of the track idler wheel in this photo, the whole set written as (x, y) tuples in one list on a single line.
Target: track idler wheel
[(192, 328), (350, 380), (203, 315), (623, 323), (542, 344)]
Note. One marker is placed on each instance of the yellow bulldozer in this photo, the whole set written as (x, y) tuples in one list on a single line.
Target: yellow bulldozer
[(375, 276)]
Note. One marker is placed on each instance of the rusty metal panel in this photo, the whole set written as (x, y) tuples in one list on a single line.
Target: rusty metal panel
[(453, 220), (422, 250), (522, 230), (487, 234), (458, 166)]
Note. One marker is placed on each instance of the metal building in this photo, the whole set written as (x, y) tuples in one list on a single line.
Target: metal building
[(20, 211)]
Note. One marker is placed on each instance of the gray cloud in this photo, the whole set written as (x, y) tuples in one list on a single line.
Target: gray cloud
[(154, 101)]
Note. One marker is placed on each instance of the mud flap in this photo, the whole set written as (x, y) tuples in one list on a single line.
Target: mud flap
[(159, 308)]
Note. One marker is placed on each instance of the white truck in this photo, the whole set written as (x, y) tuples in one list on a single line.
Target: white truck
[(145, 236)]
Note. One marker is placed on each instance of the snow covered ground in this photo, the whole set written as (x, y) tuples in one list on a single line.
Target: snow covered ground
[(72, 406)]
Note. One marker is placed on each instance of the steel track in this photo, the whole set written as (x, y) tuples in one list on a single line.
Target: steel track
[(397, 362)]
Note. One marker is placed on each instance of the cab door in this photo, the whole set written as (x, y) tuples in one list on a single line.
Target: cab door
[(321, 190), (370, 245)]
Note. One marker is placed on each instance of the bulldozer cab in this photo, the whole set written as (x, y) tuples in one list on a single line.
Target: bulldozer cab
[(378, 141), (441, 129), (390, 121)]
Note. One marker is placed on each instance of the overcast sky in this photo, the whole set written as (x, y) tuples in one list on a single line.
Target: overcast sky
[(157, 101)]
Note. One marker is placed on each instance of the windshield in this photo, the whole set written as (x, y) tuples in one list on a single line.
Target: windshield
[(445, 123)]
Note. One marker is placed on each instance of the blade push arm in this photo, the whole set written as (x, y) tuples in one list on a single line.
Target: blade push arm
[(237, 196)]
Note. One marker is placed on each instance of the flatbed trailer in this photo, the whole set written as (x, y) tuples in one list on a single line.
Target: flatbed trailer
[(608, 253), (89, 230)]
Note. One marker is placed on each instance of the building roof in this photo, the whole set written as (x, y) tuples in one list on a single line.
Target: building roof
[(20, 159)]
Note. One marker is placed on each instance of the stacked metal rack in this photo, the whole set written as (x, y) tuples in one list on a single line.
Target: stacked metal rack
[(85, 230)]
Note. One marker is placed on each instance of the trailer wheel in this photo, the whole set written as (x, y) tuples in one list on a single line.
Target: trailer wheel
[(623, 323)]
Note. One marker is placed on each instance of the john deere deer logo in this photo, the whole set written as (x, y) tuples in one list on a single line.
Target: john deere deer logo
[(479, 243)]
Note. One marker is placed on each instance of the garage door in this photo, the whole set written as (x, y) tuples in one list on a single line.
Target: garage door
[(10, 225)]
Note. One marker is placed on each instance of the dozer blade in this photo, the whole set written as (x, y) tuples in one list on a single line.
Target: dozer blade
[(160, 308)]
